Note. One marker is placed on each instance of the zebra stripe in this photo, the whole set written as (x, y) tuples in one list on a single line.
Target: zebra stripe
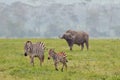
[(42, 45)]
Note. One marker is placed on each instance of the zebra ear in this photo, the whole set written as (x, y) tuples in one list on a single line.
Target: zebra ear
[(29, 42)]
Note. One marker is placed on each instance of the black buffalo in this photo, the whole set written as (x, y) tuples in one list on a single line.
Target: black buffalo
[(76, 37)]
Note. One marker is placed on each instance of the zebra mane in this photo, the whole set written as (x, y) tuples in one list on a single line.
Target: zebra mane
[(42, 45)]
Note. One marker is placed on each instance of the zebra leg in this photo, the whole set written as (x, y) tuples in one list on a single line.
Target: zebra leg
[(43, 58), (40, 63), (62, 67), (32, 61), (56, 66), (65, 65), (40, 58)]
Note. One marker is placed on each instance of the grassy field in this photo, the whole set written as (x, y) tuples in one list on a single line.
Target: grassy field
[(101, 62)]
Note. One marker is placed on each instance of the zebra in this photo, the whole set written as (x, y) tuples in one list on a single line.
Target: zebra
[(35, 50), (58, 57)]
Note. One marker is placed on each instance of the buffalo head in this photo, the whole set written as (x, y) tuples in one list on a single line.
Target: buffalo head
[(67, 36)]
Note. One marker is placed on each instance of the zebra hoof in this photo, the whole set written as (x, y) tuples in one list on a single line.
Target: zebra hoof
[(56, 69), (62, 70)]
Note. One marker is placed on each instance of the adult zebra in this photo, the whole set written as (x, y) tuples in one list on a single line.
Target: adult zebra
[(34, 50)]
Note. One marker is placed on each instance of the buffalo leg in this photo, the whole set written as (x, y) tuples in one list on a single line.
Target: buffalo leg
[(82, 46), (87, 45), (71, 47)]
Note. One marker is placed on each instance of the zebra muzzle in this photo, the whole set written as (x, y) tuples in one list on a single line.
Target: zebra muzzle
[(48, 58), (25, 54)]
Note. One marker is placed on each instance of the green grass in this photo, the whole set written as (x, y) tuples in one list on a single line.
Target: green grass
[(101, 62)]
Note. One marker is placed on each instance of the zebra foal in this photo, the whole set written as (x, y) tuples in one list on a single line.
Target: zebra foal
[(34, 50), (58, 57)]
